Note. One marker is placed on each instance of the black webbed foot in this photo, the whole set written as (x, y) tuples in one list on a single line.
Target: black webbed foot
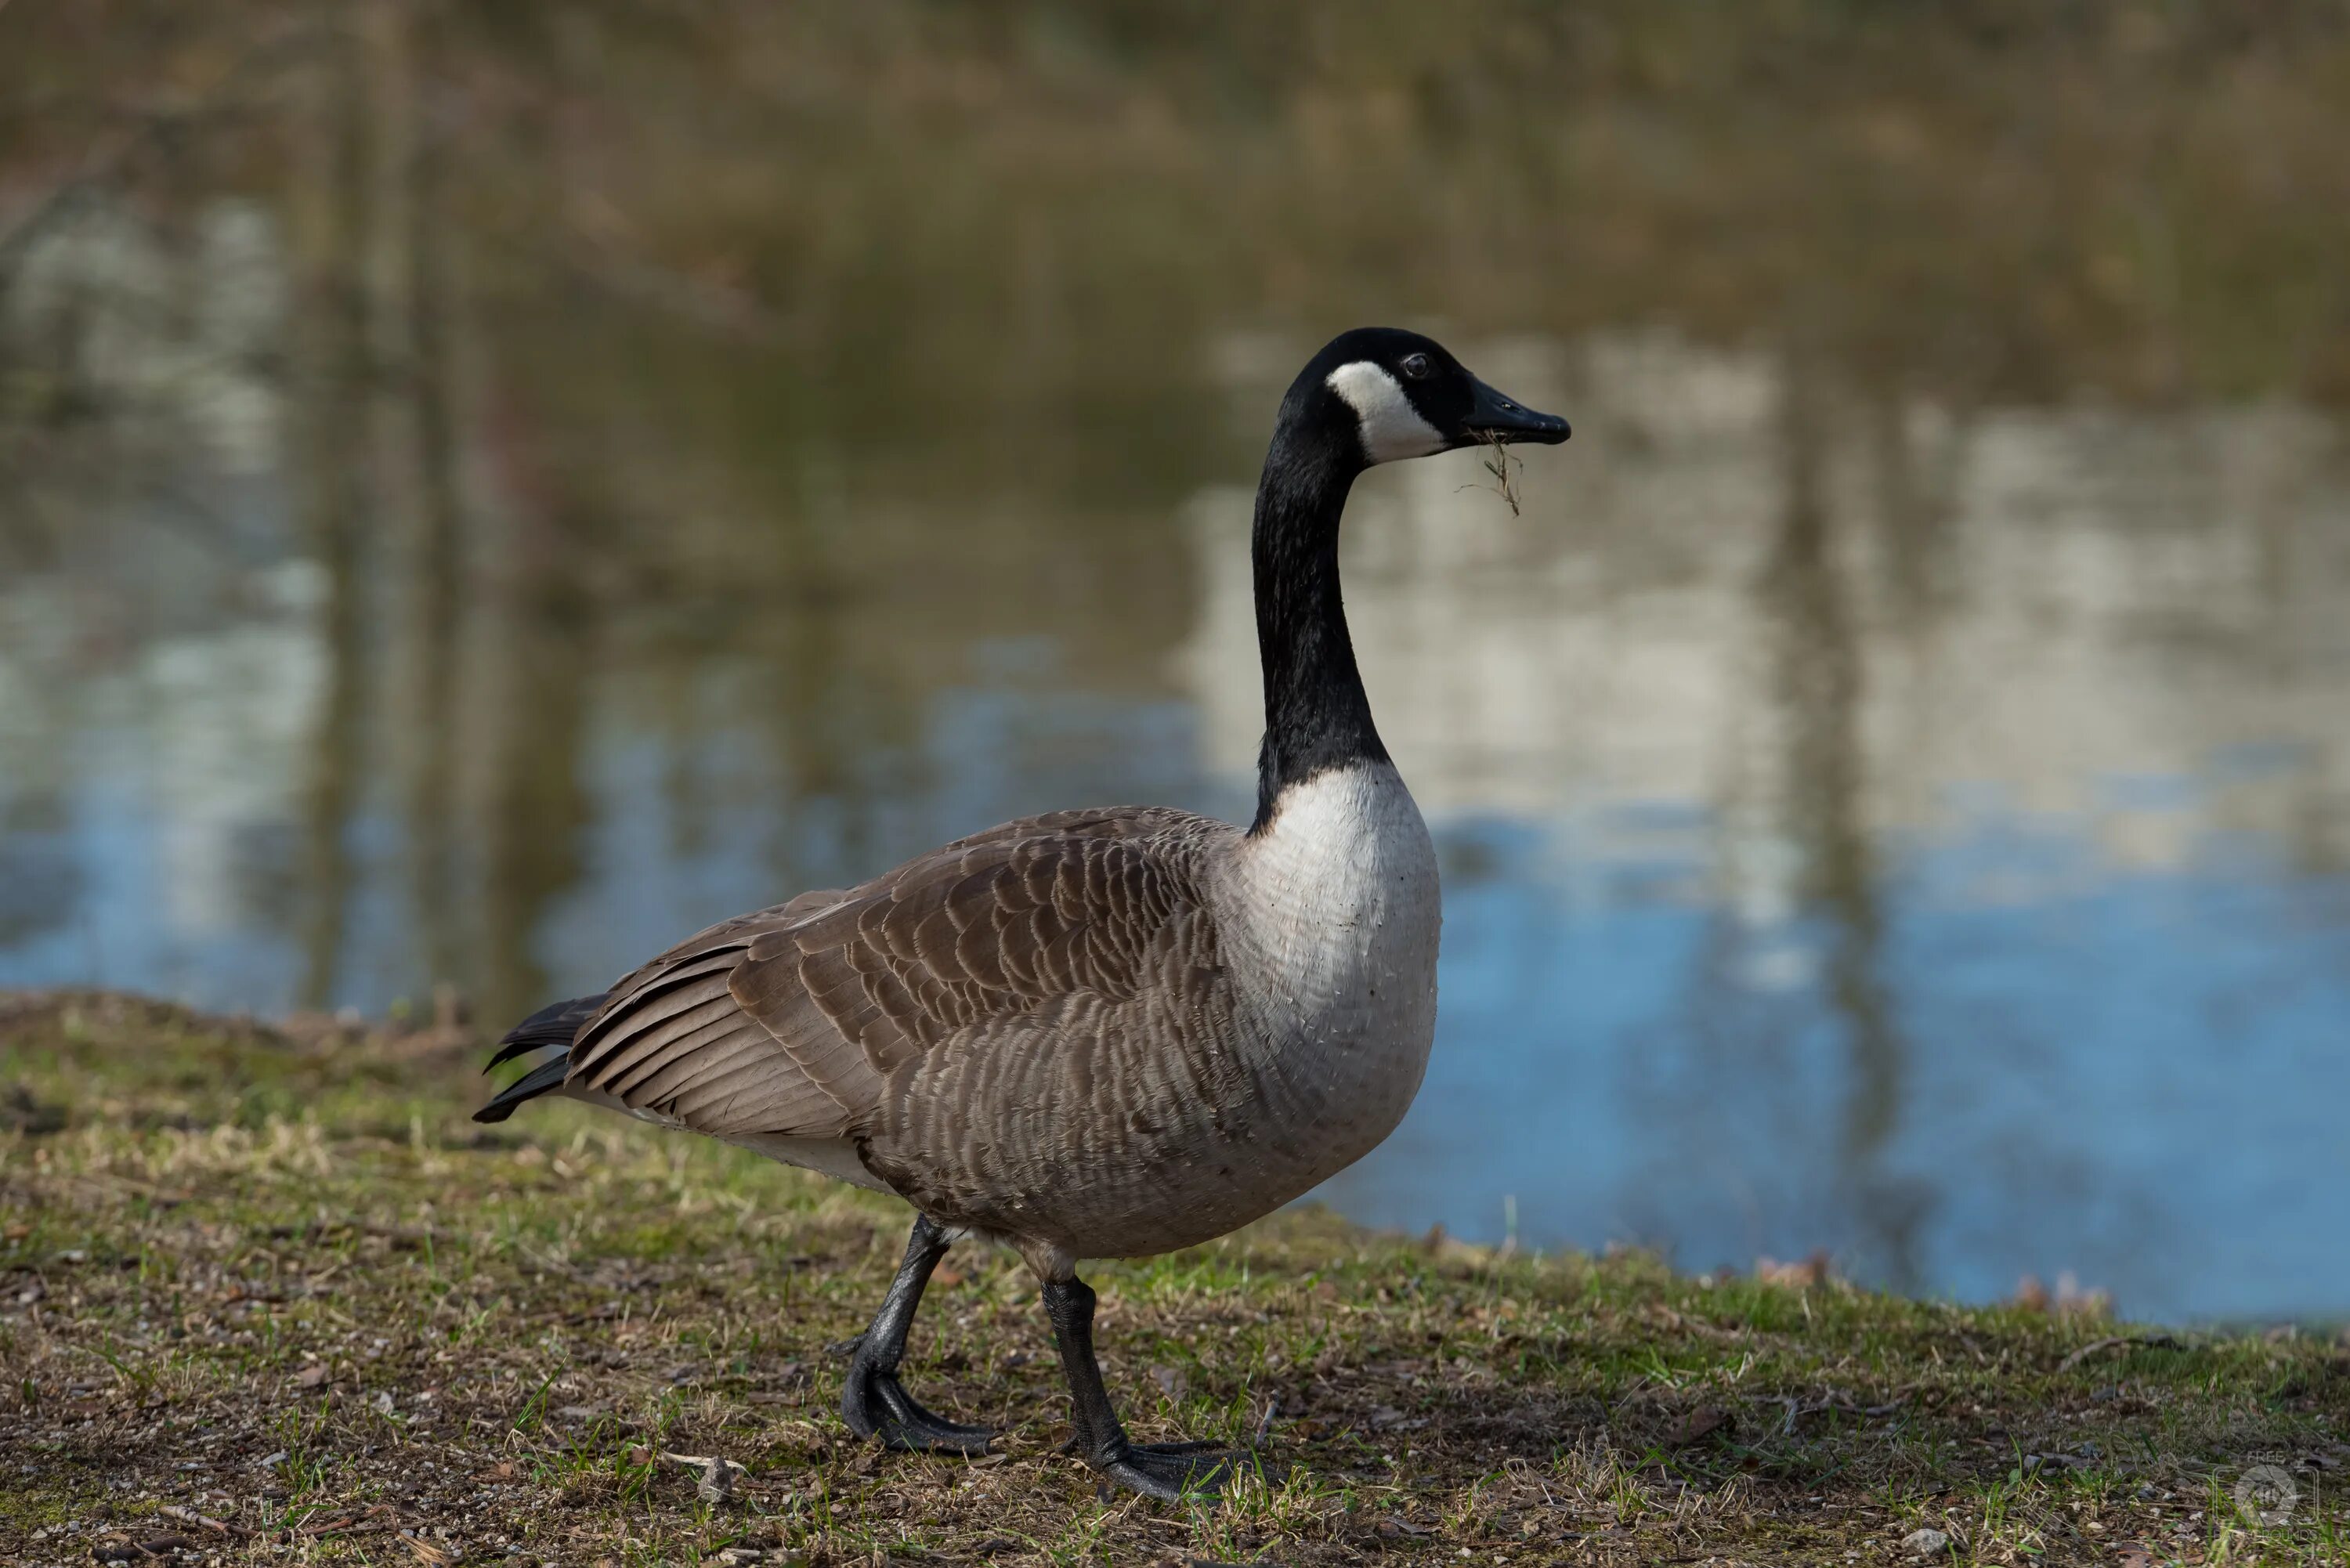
[(1171, 1471), (872, 1401), (1163, 1470), (876, 1404)]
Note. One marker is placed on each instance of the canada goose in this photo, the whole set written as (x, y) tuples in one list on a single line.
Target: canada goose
[(1094, 1034)]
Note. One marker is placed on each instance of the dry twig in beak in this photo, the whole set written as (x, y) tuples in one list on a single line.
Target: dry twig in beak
[(1497, 462)]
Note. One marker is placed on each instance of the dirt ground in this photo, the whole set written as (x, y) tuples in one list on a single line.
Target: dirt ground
[(266, 1295)]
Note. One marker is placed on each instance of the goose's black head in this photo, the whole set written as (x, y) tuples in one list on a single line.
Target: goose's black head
[(1393, 394), (1373, 395)]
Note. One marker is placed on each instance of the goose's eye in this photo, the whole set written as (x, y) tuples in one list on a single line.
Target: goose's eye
[(1414, 367)]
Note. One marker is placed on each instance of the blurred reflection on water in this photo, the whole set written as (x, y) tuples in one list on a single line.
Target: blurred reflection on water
[(1904, 824)]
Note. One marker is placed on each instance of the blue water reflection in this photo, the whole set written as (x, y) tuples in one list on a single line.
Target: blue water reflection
[(2136, 1080)]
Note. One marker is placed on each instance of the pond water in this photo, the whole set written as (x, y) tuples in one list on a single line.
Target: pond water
[(1911, 827)]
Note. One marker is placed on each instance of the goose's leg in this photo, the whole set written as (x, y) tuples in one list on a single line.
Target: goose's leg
[(873, 1402), (1155, 1470)]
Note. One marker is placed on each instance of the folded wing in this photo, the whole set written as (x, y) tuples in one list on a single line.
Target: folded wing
[(792, 1020)]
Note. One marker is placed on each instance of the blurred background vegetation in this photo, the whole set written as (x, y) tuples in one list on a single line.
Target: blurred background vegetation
[(2002, 197)]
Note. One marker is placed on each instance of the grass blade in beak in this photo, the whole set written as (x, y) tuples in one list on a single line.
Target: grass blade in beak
[(1497, 462)]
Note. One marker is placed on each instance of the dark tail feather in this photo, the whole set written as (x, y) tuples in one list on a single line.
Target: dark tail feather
[(548, 1075), (555, 1025)]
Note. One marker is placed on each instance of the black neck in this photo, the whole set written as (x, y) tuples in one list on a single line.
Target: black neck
[(1316, 716)]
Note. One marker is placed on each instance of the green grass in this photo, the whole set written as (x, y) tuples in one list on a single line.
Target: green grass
[(282, 1284)]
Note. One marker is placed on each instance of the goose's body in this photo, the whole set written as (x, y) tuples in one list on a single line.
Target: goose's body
[(1094, 1034)]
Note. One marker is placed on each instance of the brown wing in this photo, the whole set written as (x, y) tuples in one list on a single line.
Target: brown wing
[(787, 1021)]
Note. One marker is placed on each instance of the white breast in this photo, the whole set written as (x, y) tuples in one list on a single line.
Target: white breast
[(1328, 928)]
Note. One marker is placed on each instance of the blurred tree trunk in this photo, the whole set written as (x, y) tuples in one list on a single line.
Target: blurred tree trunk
[(324, 204)]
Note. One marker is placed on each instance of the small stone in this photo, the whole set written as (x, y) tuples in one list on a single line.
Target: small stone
[(716, 1482), (1698, 1425), (1926, 1542)]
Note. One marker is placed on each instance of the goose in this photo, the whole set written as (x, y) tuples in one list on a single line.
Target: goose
[(1094, 1034)]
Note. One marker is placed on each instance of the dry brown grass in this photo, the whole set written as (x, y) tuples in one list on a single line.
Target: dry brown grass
[(274, 1300)]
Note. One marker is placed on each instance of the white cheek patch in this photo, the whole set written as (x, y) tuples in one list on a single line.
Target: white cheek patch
[(1392, 429)]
